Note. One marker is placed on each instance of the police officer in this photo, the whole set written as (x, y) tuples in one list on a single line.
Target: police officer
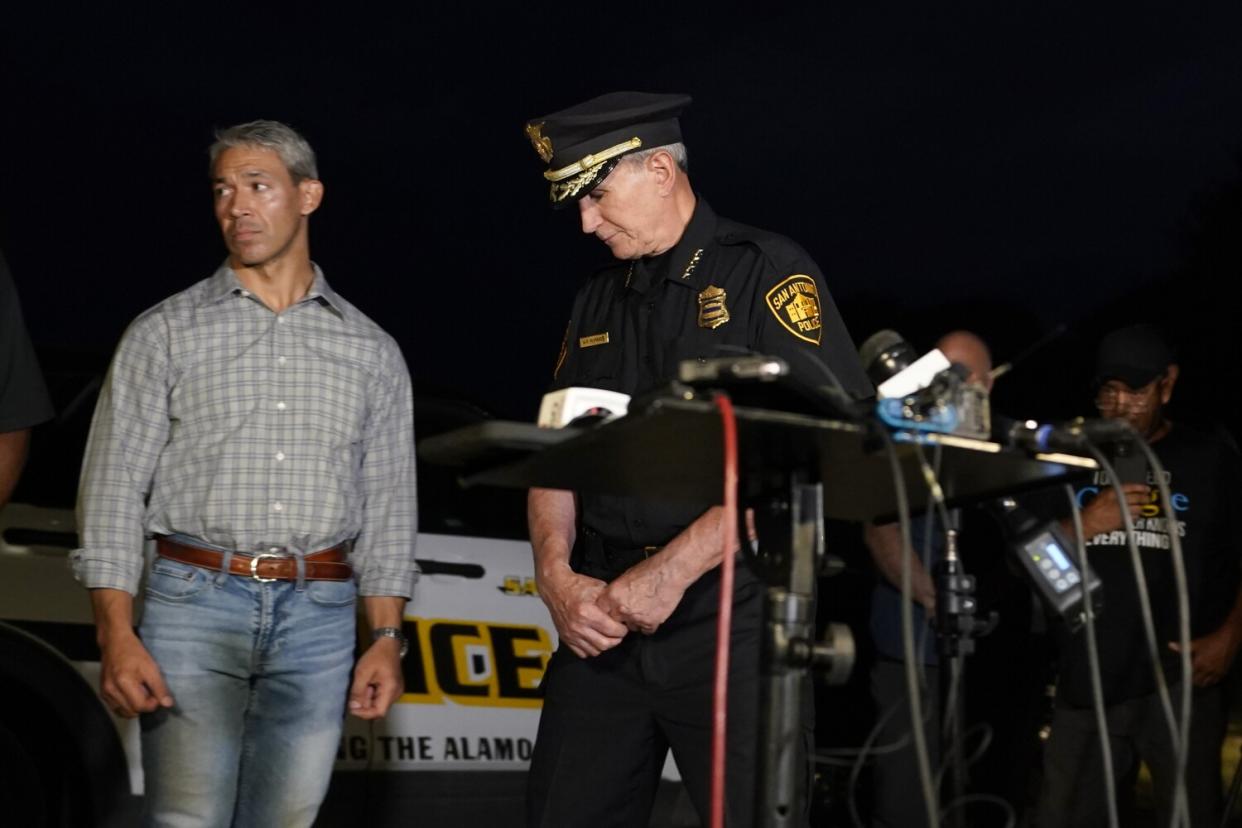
[(632, 583)]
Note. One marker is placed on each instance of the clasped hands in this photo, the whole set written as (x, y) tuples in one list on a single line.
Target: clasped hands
[(592, 616)]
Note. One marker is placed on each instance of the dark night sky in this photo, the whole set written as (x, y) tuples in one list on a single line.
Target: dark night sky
[(1005, 166)]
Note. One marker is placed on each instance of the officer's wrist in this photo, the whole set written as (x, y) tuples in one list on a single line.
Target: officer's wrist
[(550, 574)]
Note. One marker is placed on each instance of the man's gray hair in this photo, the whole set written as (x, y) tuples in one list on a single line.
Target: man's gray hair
[(678, 151), (284, 140)]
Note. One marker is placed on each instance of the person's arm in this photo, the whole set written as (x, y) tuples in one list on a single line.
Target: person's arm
[(384, 551), (13, 445), (128, 432), (130, 681), (647, 593), (581, 625), (884, 543), (23, 395), (1102, 515), (1212, 654), (383, 554), (378, 680)]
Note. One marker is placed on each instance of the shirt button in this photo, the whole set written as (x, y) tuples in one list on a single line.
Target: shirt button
[(246, 293), (281, 360), (280, 320), (280, 406), (278, 506), (280, 455)]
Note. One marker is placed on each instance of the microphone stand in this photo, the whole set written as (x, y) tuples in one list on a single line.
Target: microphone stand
[(956, 630)]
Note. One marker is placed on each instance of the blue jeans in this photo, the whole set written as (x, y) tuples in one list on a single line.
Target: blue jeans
[(260, 673)]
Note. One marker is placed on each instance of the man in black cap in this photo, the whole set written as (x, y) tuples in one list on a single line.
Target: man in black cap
[(1135, 376), (632, 583)]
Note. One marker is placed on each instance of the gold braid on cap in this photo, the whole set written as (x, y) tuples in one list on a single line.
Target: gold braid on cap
[(586, 163), (562, 190)]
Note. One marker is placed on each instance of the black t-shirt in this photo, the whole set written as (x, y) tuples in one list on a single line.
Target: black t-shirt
[(1204, 475), (23, 396), (722, 290)]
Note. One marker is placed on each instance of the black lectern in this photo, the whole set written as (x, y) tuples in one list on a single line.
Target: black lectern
[(803, 467)]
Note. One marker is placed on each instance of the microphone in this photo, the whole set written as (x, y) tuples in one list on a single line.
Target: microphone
[(885, 354), (1072, 437), (896, 368)]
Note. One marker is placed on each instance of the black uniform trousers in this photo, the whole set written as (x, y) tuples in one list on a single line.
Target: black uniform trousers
[(608, 722)]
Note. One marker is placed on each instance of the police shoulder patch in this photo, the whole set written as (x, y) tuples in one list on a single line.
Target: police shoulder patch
[(795, 304)]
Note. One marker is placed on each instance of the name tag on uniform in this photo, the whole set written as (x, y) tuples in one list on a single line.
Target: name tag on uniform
[(596, 339)]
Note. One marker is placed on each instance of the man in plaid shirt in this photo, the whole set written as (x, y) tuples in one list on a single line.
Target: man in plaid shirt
[(260, 427)]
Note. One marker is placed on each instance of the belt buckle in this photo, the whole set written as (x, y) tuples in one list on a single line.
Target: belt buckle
[(254, 566)]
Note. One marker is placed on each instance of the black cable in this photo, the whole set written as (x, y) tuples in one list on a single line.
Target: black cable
[(1149, 633), (957, 661), (907, 633), (970, 799), (1183, 617), (931, 476), (867, 749), (857, 763), (985, 741), (860, 755), (1093, 663), (957, 665)]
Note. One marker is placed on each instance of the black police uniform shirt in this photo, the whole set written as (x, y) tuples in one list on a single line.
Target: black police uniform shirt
[(724, 289), (1204, 476)]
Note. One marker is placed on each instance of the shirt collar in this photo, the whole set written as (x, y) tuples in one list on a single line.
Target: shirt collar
[(224, 283), (680, 263)]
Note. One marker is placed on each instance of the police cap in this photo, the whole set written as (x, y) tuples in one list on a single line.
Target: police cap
[(582, 144)]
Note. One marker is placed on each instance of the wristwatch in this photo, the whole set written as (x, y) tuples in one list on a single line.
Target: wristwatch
[(392, 632)]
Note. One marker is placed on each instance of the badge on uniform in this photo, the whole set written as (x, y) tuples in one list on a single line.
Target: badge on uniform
[(795, 304), (712, 310)]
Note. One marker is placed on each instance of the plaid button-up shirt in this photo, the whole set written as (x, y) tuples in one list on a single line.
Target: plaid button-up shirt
[(249, 430)]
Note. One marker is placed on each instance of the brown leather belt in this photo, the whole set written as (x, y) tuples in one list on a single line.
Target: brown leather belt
[(324, 565)]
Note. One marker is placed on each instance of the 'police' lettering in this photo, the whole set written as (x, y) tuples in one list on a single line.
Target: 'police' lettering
[(472, 663)]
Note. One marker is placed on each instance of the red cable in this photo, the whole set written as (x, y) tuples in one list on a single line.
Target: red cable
[(724, 620)]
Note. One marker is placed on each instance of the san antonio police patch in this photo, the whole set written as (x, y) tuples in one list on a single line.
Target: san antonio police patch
[(795, 304)]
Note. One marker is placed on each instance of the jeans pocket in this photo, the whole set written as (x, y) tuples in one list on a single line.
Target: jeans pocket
[(174, 581), (332, 593)]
